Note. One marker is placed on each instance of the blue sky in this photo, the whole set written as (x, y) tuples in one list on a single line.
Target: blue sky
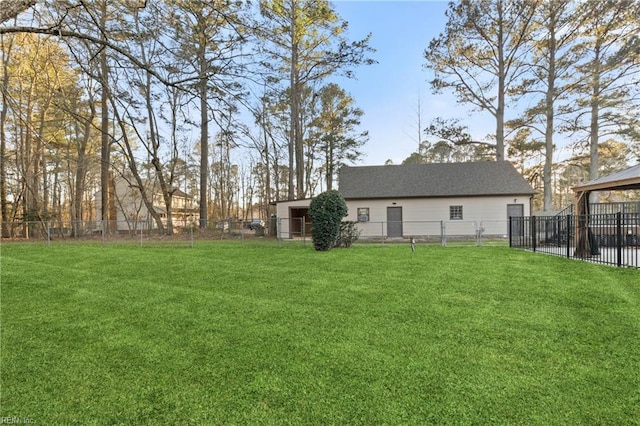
[(389, 92)]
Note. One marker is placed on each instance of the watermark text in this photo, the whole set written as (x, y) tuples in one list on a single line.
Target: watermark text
[(16, 420)]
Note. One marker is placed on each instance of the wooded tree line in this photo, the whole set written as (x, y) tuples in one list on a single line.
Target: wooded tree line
[(232, 102), (227, 101), (547, 72)]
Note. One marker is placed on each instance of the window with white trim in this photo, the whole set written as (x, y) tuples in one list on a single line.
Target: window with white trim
[(455, 212), (363, 214)]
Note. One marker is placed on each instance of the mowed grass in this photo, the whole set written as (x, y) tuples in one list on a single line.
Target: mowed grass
[(249, 333)]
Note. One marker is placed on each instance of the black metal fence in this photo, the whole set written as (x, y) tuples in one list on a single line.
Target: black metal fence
[(614, 239)]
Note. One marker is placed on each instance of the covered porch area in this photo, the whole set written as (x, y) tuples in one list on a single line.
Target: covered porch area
[(624, 180)]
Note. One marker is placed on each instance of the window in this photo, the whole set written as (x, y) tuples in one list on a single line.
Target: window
[(363, 214), (455, 212)]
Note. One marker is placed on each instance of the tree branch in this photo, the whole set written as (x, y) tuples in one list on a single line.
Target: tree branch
[(58, 32), (9, 9)]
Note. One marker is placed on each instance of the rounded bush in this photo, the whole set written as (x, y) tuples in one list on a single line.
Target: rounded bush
[(326, 211)]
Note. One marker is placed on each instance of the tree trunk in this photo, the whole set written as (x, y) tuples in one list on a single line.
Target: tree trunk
[(549, 113), (81, 172), (104, 128), (4, 218), (293, 105), (501, 83), (153, 146), (595, 124), (329, 163), (30, 187), (133, 167), (300, 166), (41, 164), (204, 143), (267, 166)]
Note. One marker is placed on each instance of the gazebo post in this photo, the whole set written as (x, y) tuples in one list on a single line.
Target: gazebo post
[(583, 248)]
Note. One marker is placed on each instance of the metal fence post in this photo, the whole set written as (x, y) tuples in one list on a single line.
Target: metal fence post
[(533, 233), (619, 237), (278, 231), (569, 227)]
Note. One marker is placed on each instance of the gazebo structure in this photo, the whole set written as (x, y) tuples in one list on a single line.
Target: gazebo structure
[(627, 179)]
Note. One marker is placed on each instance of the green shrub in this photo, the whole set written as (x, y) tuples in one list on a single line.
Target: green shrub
[(326, 211), (349, 233)]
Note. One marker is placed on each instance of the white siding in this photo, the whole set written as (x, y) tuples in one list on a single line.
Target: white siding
[(426, 216), (423, 216), (283, 211)]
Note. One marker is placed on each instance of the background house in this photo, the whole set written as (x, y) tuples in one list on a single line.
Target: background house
[(420, 199), (131, 213)]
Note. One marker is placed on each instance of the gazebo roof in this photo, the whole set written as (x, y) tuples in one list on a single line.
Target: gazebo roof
[(622, 180)]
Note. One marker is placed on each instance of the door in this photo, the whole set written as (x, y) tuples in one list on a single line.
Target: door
[(299, 217), (394, 222), (516, 211)]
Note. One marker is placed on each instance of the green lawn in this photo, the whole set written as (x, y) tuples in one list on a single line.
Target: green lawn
[(249, 333)]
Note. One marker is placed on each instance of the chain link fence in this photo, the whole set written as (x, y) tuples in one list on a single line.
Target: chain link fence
[(614, 238), (445, 233), (143, 232), (148, 233)]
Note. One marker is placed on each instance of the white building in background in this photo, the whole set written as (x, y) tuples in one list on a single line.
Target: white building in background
[(401, 201)]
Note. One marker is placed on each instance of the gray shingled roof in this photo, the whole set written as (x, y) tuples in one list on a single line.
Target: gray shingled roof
[(433, 180), (624, 179)]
